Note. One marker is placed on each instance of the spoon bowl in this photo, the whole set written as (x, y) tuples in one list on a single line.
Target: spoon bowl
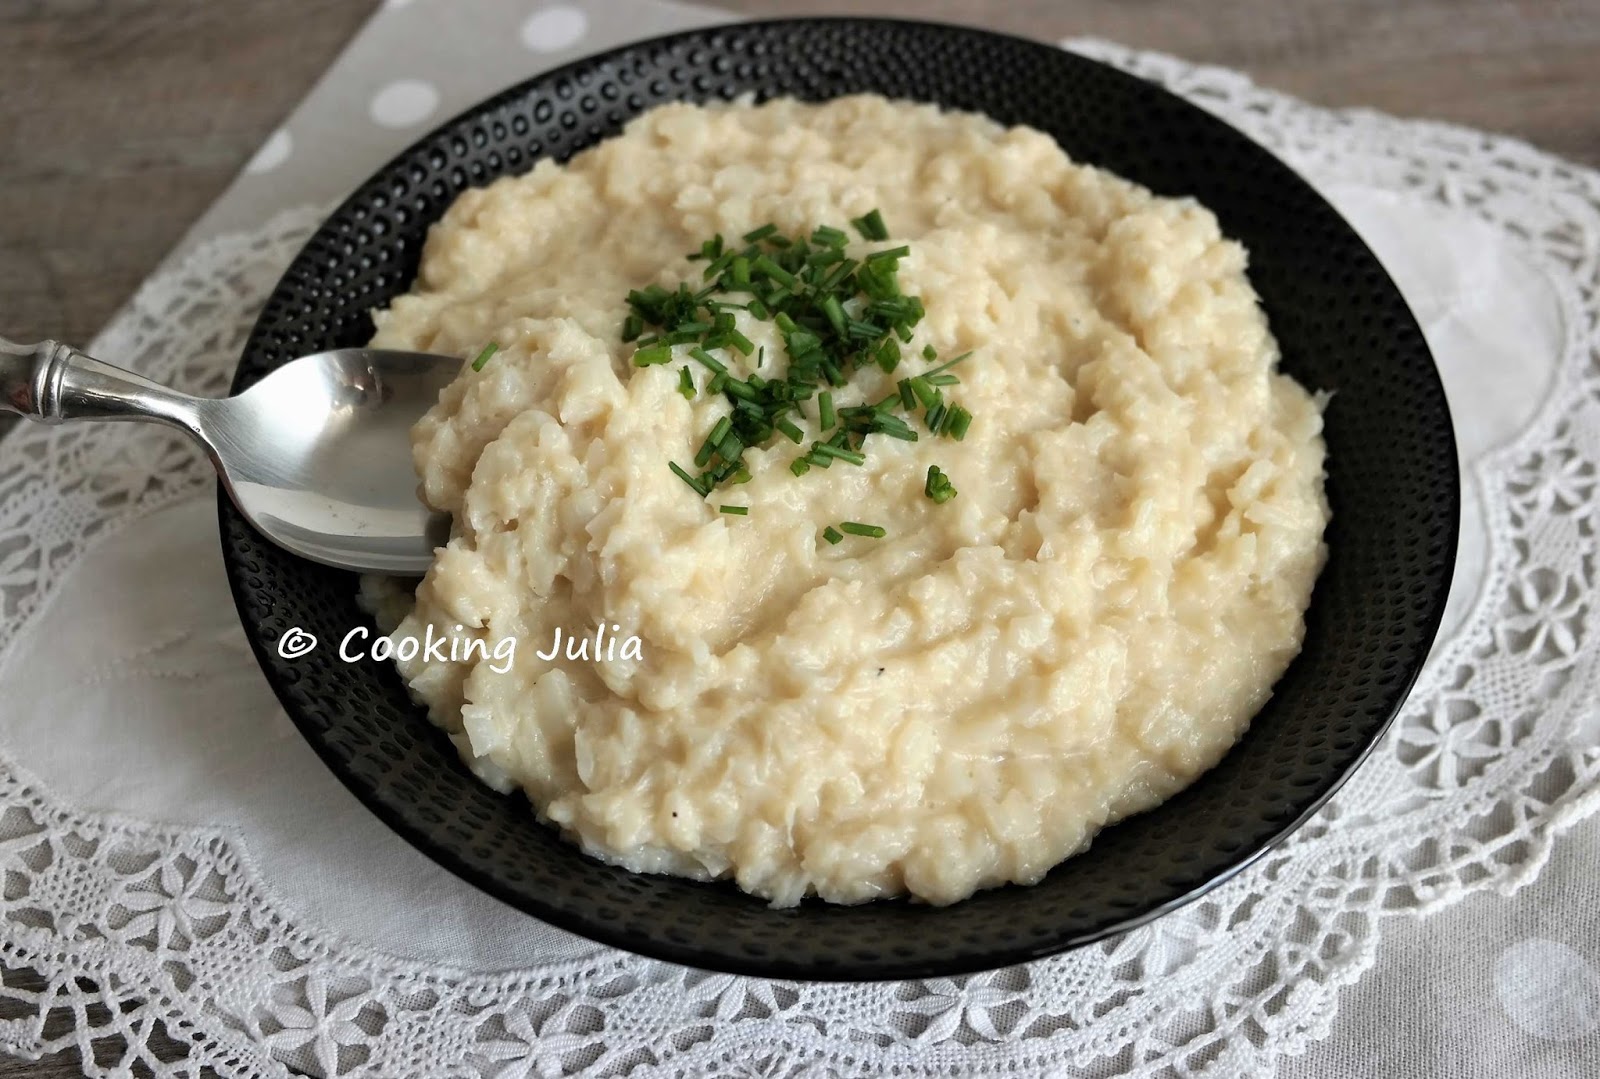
[(317, 455)]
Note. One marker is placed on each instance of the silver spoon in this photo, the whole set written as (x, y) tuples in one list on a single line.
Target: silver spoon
[(317, 455)]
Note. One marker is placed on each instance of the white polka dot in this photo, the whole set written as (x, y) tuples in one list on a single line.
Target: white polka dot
[(554, 28), (274, 152), (404, 102), (1548, 989)]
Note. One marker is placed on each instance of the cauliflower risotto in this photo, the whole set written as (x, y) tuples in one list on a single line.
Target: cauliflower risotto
[(1075, 622)]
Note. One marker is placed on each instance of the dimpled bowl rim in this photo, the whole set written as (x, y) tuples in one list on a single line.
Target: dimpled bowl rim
[(1373, 616)]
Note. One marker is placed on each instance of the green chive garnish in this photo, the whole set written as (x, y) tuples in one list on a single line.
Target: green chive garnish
[(693, 483), (832, 534), (737, 511), (709, 360), (774, 271), (870, 225), (643, 357), (823, 449), (834, 314), (946, 365), (483, 357), (834, 310), (855, 528), (938, 488)]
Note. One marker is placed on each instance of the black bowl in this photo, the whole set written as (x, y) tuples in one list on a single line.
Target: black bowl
[(1343, 326)]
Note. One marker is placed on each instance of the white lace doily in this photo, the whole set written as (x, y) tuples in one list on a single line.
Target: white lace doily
[(139, 928)]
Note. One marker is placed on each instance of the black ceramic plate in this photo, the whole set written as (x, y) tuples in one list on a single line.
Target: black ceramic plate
[(1342, 324)]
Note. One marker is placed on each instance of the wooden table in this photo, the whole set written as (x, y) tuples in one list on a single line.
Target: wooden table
[(120, 122)]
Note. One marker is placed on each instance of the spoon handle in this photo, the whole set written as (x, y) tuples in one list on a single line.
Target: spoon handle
[(51, 382)]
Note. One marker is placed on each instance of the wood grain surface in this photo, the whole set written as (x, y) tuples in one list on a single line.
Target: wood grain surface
[(122, 120)]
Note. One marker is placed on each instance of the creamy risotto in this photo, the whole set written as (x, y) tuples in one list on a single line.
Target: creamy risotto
[(1088, 625)]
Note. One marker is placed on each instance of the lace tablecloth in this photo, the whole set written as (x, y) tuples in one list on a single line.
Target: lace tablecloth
[(173, 851)]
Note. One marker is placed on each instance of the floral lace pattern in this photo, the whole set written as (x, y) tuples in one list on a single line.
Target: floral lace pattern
[(138, 929)]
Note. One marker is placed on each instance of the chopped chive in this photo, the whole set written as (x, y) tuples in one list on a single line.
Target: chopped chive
[(757, 308), (765, 265), (929, 353), (685, 384), (738, 511), (757, 235), (720, 430), (946, 365), (926, 394), (632, 327), (960, 420), (693, 483), (908, 397), (888, 355), (644, 357), (825, 410), (938, 488), (870, 225), (934, 417), (741, 476), (799, 466), (835, 313), (832, 534), (709, 360), (855, 528), (718, 383), (742, 391), (824, 449), (790, 431), (828, 236), (483, 357), (889, 254), (941, 380), (741, 342)]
